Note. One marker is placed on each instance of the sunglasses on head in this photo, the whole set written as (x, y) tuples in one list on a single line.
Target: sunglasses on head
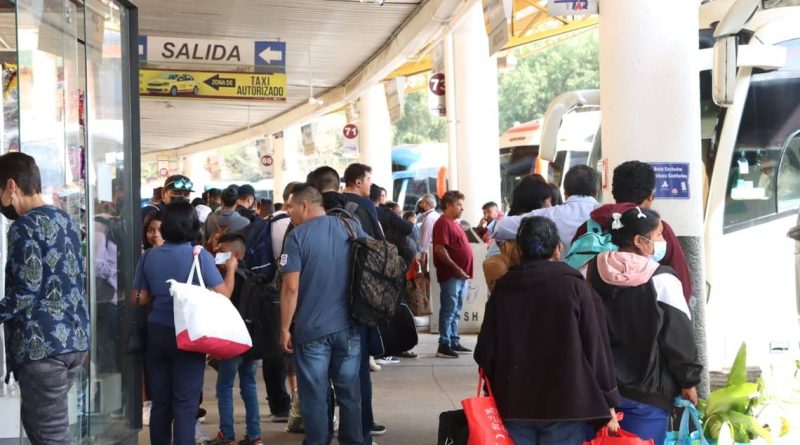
[(181, 184)]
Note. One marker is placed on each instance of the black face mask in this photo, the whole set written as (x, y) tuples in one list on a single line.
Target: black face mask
[(9, 211), (175, 199)]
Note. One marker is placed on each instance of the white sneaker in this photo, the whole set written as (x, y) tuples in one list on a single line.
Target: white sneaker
[(200, 436), (146, 406), (388, 360)]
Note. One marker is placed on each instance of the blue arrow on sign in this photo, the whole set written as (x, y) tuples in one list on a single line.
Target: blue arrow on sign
[(271, 54), (142, 48)]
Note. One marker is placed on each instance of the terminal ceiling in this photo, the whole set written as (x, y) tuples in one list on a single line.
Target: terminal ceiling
[(328, 41)]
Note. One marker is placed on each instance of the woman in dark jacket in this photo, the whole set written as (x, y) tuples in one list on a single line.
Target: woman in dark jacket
[(649, 323), (544, 346)]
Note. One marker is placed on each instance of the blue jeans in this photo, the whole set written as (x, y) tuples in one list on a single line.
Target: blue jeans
[(334, 358), (176, 382), (546, 433), (452, 295), (247, 369), (646, 421)]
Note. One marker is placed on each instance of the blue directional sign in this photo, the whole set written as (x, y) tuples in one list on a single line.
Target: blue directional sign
[(271, 54), (142, 48), (672, 180)]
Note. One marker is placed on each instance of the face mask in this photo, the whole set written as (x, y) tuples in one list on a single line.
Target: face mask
[(9, 212), (175, 199), (659, 250)]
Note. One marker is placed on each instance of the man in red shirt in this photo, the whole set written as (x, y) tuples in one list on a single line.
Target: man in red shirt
[(452, 256)]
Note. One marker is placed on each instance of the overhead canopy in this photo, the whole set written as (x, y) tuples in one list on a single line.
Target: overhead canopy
[(330, 39)]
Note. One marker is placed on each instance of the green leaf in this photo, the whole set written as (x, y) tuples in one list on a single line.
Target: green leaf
[(738, 373), (726, 399), (711, 426), (746, 427)]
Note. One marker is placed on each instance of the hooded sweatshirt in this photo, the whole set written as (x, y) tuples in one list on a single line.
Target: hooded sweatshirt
[(649, 327), (365, 213), (673, 258), (545, 348)]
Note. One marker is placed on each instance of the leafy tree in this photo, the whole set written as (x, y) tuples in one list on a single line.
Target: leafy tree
[(417, 125), (526, 90)]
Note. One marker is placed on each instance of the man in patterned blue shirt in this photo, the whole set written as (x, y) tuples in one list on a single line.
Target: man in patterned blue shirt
[(44, 310)]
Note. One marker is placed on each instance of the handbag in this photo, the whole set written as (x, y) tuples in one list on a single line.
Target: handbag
[(621, 437), (206, 321), (398, 333), (682, 436), (483, 419), (137, 329), (453, 428)]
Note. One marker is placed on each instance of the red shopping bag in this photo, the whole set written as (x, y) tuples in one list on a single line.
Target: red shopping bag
[(621, 437), (483, 419)]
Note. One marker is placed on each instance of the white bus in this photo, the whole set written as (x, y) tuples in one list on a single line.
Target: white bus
[(751, 157)]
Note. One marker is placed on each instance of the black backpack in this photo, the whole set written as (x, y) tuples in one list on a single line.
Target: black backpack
[(379, 275), (259, 306), (258, 241)]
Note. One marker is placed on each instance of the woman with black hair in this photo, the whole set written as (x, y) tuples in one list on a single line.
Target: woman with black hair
[(544, 346), (175, 376), (532, 193), (649, 323)]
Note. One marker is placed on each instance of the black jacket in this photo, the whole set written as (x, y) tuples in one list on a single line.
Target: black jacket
[(653, 343), (365, 213), (397, 230), (544, 346)]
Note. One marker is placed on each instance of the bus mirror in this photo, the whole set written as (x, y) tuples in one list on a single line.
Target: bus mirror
[(558, 107), (723, 71)]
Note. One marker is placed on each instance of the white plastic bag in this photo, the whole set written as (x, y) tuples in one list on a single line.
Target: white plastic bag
[(206, 321)]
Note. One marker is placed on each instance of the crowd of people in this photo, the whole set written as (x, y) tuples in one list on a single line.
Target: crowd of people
[(588, 312)]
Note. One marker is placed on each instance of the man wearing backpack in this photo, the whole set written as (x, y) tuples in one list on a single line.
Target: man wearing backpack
[(633, 185), (580, 186), (225, 220), (315, 318)]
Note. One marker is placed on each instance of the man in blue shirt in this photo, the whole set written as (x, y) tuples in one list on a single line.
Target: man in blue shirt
[(315, 318), (44, 310)]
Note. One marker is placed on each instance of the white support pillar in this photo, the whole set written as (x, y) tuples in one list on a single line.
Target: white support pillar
[(450, 106), (477, 135), (278, 181), (651, 110), (375, 135)]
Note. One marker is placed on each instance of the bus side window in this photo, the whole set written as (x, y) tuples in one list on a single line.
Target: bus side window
[(789, 176)]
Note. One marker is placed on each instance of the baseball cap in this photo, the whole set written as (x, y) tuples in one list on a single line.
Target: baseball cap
[(178, 182), (247, 189)]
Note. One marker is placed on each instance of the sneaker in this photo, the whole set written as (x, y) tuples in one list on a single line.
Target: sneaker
[(220, 440), (295, 425), (388, 360), (373, 366), (146, 413), (255, 441), (377, 430), (200, 436), (460, 349), (408, 354), (445, 351), (280, 417)]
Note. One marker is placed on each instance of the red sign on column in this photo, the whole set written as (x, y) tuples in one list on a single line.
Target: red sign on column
[(350, 131), (436, 84)]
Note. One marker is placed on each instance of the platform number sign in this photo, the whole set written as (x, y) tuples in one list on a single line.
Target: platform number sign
[(436, 84), (350, 133)]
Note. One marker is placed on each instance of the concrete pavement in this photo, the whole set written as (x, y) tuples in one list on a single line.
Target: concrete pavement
[(407, 398)]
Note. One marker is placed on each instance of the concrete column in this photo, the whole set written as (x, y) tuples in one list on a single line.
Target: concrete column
[(450, 104), (477, 135), (278, 180), (650, 96), (375, 135)]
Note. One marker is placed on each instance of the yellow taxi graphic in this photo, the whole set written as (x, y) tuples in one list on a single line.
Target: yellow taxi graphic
[(174, 84)]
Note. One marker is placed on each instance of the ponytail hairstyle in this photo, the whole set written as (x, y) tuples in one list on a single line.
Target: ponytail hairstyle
[(636, 221), (537, 238)]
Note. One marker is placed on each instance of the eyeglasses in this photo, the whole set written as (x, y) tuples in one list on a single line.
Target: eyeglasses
[(181, 184)]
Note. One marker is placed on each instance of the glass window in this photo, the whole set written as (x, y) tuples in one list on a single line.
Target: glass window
[(789, 177), (770, 117)]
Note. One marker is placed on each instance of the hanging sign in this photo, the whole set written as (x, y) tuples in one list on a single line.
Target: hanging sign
[(268, 54), (497, 18), (672, 180), (265, 151), (213, 85), (571, 7), (436, 84), (350, 133)]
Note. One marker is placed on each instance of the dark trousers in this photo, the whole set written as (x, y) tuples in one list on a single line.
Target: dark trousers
[(176, 382), (367, 417), (44, 385), (274, 372)]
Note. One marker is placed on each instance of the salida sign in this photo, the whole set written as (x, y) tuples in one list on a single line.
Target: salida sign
[(263, 53)]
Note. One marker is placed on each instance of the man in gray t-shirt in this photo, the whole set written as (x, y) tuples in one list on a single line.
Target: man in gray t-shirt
[(315, 318), (226, 217)]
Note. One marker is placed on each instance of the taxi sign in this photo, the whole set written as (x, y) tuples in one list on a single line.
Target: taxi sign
[(212, 85), (235, 52)]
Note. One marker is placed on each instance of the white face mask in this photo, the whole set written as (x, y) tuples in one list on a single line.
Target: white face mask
[(659, 250)]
